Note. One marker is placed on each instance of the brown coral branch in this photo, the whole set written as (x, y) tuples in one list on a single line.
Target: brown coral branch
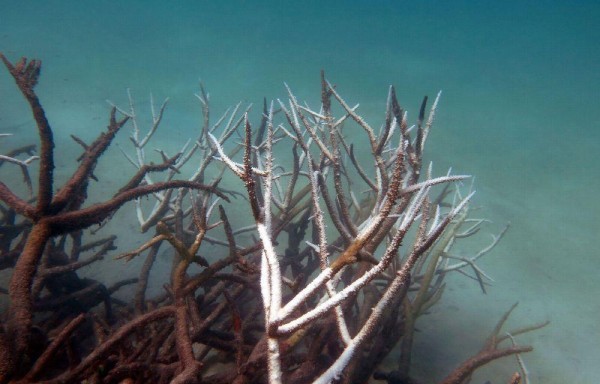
[(77, 184), (147, 168), (466, 369), (26, 75), (21, 303), (102, 350), (17, 204), (58, 341), (96, 213)]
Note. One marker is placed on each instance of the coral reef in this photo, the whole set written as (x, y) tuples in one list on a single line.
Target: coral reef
[(341, 251)]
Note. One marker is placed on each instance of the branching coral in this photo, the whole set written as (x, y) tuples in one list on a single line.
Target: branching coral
[(308, 307)]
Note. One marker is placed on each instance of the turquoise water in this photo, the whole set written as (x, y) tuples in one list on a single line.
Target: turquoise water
[(520, 111)]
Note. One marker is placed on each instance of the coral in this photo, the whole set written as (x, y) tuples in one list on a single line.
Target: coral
[(303, 308)]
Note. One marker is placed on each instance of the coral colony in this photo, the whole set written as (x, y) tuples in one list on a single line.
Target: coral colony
[(340, 259)]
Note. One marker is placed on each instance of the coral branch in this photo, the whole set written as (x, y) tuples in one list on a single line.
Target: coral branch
[(26, 75)]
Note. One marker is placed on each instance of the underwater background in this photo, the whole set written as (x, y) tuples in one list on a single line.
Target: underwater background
[(520, 111)]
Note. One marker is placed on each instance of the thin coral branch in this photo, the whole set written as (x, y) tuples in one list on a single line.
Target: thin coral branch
[(490, 351), (467, 368), (57, 343), (23, 165), (107, 346), (17, 204), (78, 181), (95, 214)]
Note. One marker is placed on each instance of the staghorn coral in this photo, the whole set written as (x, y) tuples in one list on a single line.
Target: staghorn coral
[(303, 308)]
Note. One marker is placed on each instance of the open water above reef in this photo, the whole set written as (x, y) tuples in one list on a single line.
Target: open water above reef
[(520, 110)]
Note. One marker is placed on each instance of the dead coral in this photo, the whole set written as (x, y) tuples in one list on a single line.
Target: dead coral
[(329, 268)]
